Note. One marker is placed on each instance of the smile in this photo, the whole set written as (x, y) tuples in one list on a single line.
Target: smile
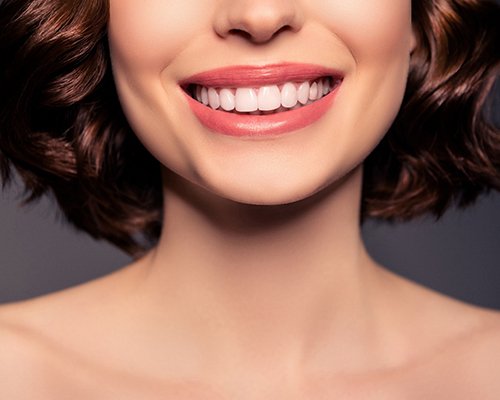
[(264, 100), (258, 101)]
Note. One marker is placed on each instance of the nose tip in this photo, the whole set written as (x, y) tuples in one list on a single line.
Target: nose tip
[(257, 20)]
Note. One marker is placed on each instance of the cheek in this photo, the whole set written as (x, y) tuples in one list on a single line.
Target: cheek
[(369, 26), (378, 37), (147, 35)]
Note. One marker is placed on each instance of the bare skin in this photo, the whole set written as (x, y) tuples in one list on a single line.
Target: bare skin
[(269, 324), (240, 301)]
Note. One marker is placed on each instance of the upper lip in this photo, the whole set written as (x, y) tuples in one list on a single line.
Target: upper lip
[(260, 75)]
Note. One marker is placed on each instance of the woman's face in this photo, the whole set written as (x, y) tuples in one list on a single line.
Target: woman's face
[(261, 55)]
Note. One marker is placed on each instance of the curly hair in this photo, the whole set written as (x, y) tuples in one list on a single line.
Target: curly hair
[(63, 131), (443, 148)]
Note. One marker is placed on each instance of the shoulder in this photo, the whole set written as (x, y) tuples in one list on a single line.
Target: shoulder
[(33, 366), (454, 347), (466, 365), (480, 353), (466, 333), (59, 314), (49, 341), (23, 358), (41, 338), (39, 343)]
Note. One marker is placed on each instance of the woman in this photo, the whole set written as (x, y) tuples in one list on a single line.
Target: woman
[(263, 132)]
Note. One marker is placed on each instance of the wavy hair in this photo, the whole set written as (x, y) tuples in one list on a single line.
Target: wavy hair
[(63, 131), (443, 147)]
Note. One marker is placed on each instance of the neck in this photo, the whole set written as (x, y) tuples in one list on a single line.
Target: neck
[(263, 282)]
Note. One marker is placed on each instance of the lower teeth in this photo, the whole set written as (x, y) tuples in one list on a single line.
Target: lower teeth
[(259, 112)]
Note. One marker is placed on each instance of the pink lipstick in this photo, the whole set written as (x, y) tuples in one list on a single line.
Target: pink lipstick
[(249, 79)]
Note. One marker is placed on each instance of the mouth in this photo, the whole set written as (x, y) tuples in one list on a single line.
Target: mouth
[(262, 100)]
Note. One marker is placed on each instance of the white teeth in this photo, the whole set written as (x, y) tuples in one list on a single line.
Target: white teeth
[(320, 90), (264, 99), (213, 98), (303, 93), (269, 98), (326, 87), (204, 95), (289, 95), (313, 91), (246, 100), (226, 98)]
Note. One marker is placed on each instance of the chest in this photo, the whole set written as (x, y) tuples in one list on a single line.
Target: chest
[(409, 387)]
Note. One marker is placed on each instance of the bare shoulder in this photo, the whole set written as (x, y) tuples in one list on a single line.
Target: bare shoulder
[(23, 358), (467, 366), (480, 351), (472, 333), (454, 346), (58, 315), (34, 364), (467, 362), (39, 338)]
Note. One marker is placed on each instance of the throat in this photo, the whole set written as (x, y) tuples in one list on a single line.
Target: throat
[(262, 283)]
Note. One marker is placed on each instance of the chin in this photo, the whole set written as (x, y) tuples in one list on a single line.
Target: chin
[(262, 198), (267, 191)]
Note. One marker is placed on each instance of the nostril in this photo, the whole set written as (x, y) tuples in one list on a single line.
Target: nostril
[(258, 35), (240, 32)]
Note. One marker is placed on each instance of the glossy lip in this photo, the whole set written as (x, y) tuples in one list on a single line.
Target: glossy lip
[(254, 76)]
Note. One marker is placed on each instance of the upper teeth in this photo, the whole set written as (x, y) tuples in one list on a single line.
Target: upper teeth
[(265, 98)]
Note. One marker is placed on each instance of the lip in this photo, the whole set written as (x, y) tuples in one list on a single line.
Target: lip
[(254, 76)]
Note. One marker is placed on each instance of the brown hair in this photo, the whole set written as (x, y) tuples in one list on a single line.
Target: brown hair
[(62, 129), (442, 149)]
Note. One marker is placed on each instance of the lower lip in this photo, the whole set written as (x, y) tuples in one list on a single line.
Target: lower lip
[(240, 125)]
